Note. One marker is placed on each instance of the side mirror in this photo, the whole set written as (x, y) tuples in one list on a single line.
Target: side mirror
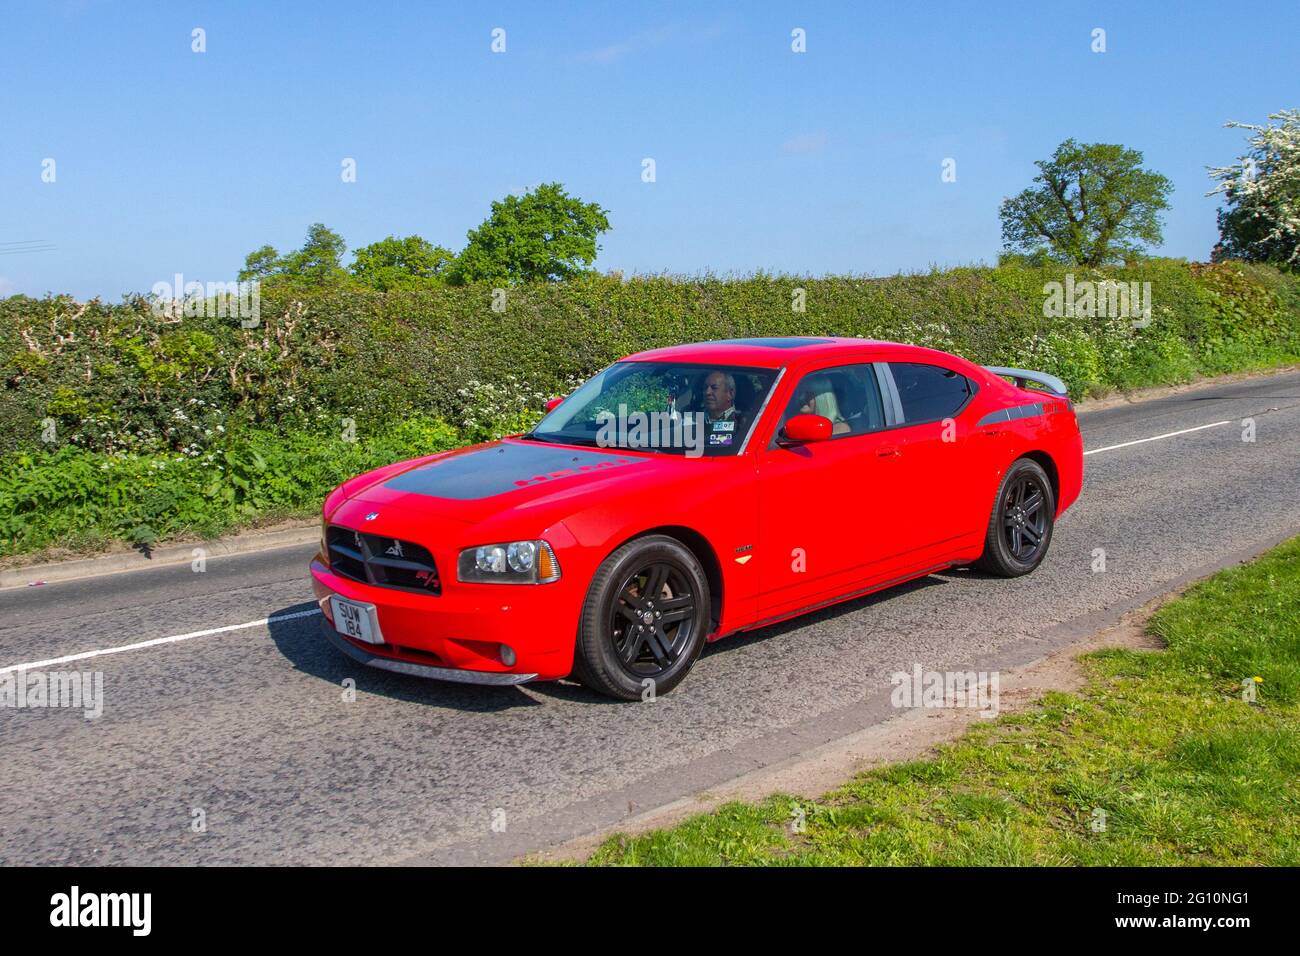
[(553, 404), (805, 428)]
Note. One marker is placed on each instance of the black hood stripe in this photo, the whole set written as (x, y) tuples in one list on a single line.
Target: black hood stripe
[(501, 468)]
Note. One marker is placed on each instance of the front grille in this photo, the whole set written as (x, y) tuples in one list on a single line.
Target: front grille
[(382, 561)]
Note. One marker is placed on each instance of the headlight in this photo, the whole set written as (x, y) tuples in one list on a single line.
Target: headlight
[(512, 562)]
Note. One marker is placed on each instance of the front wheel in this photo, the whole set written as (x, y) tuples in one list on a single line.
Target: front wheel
[(644, 621), (1020, 527)]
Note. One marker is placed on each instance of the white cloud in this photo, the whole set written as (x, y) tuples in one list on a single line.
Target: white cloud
[(617, 51), (649, 39), (607, 54)]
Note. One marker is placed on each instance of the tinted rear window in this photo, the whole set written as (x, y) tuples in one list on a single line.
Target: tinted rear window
[(929, 393)]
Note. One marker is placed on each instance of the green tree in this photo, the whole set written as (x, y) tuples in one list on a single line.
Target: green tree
[(1094, 204), (545, 235), (408, 263), (260, 264), (318, 262), (320, 259), (1262, 221)]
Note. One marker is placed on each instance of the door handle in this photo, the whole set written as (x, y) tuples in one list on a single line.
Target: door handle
[(888, 451)]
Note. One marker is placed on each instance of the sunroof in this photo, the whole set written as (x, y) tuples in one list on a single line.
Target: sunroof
[(776, 342)]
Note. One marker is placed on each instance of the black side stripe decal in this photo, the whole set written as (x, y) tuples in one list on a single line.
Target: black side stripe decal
[(1011, 414)]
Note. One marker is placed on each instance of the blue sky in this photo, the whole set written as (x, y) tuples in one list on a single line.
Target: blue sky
[(827, 161)]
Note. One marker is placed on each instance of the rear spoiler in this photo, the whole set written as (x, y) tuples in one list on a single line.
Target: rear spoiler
[(1021, 376)]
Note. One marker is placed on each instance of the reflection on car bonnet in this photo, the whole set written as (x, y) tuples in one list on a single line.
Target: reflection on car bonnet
[(494, 471)]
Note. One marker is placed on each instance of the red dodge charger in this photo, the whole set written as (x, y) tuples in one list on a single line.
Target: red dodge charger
[(687, 493)]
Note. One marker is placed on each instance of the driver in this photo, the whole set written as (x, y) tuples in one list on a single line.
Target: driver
[(723, 421)]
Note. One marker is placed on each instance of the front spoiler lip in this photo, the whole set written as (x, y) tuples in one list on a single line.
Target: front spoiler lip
[(451, 674)]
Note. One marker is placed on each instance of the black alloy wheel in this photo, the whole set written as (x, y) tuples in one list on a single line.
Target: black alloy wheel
[(1024, 519), (1020, 525), (645, 619), (651, 620)]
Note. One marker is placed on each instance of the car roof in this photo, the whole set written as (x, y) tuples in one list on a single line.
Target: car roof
[(774, 352)]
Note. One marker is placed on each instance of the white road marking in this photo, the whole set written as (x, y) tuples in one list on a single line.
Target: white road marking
[(1141, 441), (175, 639), (289, 617)]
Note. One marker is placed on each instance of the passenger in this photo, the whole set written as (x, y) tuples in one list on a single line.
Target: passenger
[(817, 397)]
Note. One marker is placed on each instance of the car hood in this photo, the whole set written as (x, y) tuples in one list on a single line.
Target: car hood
[(485, 480)]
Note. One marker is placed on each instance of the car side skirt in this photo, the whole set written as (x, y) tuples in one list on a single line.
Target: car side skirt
[(839, 599)]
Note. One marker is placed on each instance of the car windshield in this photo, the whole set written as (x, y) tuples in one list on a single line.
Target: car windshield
[(671, 407)]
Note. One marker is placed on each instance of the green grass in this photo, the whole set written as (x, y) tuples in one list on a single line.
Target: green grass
[(1161, 742)]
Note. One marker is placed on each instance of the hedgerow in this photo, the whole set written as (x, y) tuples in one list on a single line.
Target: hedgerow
[(138, 424)]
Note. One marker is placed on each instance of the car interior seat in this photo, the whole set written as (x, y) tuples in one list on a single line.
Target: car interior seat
[(862, 406), (744, 399)]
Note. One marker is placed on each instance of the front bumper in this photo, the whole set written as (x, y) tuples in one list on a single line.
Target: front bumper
[(457, 635), (399, 666)]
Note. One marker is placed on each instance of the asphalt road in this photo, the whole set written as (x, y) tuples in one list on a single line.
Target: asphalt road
[(248, 730)]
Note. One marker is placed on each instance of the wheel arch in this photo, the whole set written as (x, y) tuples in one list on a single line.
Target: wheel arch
[(1048, 464), (699, 546)]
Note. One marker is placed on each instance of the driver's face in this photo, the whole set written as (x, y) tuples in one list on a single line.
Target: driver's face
[(717, 397)]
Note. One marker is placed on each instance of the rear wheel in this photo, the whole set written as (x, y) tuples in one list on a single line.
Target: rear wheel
[(1020, 527), (645, 619)]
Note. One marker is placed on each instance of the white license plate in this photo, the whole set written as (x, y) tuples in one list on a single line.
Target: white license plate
[(356, 620)]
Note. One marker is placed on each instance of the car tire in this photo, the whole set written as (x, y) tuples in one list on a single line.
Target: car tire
[(625, 647), (1020, 527)]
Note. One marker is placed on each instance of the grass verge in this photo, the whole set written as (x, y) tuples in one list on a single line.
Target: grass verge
[(1159, 761)]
